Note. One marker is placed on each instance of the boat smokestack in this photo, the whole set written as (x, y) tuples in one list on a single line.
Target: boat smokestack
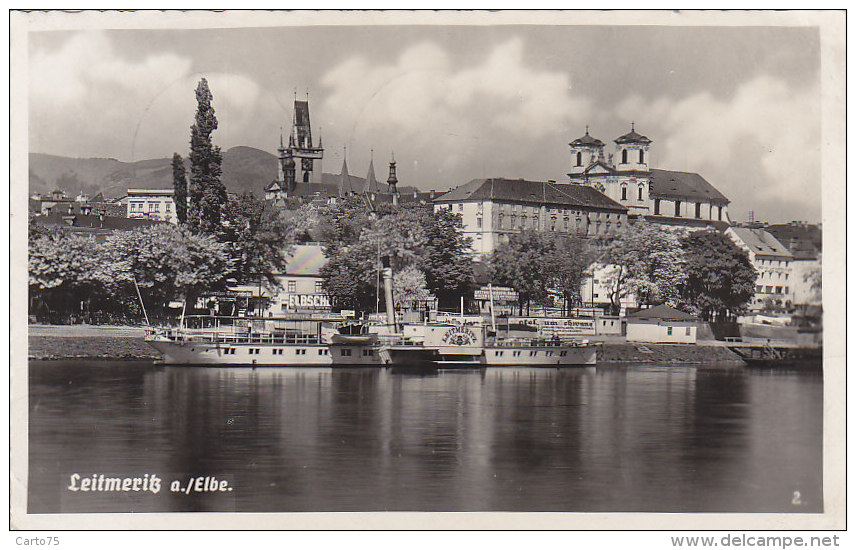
[(387, 292)]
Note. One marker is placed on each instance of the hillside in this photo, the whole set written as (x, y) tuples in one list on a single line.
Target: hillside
[(245, 169)]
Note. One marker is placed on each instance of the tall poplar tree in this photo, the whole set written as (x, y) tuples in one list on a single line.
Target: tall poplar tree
[(207, 192), (179, 183)]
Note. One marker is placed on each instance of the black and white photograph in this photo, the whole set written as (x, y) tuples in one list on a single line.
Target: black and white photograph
[(548, 269)]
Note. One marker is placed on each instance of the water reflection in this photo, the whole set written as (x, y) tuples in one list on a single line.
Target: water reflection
[(637, 438)]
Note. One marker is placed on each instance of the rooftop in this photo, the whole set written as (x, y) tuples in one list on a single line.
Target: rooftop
[(539, 192), (685, 185), (662, 312), (633, 137), (761, 243), (305, 260)]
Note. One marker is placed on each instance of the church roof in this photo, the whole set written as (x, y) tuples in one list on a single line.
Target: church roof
[(683, 185), (586, 140), (633, 137), (372, 185), (500, 189), (345, 184)]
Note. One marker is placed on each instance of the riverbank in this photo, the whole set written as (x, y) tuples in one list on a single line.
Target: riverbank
[(113, 342), (88, 342)]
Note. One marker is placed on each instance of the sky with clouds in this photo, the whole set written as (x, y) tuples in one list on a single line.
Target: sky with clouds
[(739, 105)]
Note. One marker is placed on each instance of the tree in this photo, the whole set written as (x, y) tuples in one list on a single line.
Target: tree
[(520, 264), (258, 238), (207, 192), (179, 183), (409, 287), (411, 236), (66, 271), (566, 266), (170, 263), (647, 261), (720, 278)]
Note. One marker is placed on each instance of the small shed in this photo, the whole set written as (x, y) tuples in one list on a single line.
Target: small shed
[(662, 324)]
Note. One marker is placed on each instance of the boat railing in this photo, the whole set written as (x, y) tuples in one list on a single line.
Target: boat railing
[(252, 338)]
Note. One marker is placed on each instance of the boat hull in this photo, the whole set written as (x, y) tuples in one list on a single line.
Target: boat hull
[(536, 356), (273, 355)]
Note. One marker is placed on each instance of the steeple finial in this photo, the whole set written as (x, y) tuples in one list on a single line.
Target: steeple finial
[(295, 93), (632, 126), (587, 129), (280, 138)]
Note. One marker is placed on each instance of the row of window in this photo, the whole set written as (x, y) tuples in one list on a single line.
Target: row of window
[(670, 332), (640, 190), (624, 157), (319, 287), (769, 289), (533, 353), (778, 263), (770, 274), (153, 206), (697, 210)]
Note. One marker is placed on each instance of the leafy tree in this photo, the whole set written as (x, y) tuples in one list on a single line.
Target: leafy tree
[(409, 287), (410, 236), (720, 278), (566, 265), (520, 264), (258, 238), (207, 192), (179, 183), (170, 263), (645, 260), (66, 271)]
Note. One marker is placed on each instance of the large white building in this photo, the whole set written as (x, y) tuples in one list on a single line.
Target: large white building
[(666, 197), (772, 261), (151, 204), (492, 209)]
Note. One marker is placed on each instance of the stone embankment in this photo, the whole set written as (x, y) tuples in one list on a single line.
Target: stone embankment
[(103, 342), (88, 342)]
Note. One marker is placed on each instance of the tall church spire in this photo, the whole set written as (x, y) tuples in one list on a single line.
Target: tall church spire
[(372, 185), (345, 187)]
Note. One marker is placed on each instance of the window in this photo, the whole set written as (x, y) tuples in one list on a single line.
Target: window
[(346, 352), (624, 192), (688, 331), (319, 287), (579, 159), (669, 331), (168, 207), (292, 286), (778, 290), (786, 290), (656, 207), (640, 193), (641, 156), (479, 223), (698, 210), (768, 289), (624, 156), (719, 213), (500, 221), (677, 209), (759, 288), (460, 207), (481, 205)]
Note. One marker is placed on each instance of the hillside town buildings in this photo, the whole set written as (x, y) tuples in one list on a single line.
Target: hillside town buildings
[(151, 204)]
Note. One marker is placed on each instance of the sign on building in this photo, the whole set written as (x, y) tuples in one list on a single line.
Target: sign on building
[(550, 326), (312, 301), (500, 294)]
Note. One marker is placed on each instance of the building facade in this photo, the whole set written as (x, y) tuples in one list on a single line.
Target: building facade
[(492, 209), (772, 262), (805, 243), (667, 197), (151, 204), (301, 286)]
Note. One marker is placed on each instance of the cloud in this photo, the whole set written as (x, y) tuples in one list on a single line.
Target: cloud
[(453, 118), (760, 147), (87, 100)]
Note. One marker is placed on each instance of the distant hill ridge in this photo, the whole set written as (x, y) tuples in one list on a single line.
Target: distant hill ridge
[(245, 170)]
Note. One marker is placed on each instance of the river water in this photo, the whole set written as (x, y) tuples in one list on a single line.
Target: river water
[(612, 438)]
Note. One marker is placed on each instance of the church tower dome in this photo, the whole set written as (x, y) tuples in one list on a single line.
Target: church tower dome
[(585, 151), (631, 151)]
